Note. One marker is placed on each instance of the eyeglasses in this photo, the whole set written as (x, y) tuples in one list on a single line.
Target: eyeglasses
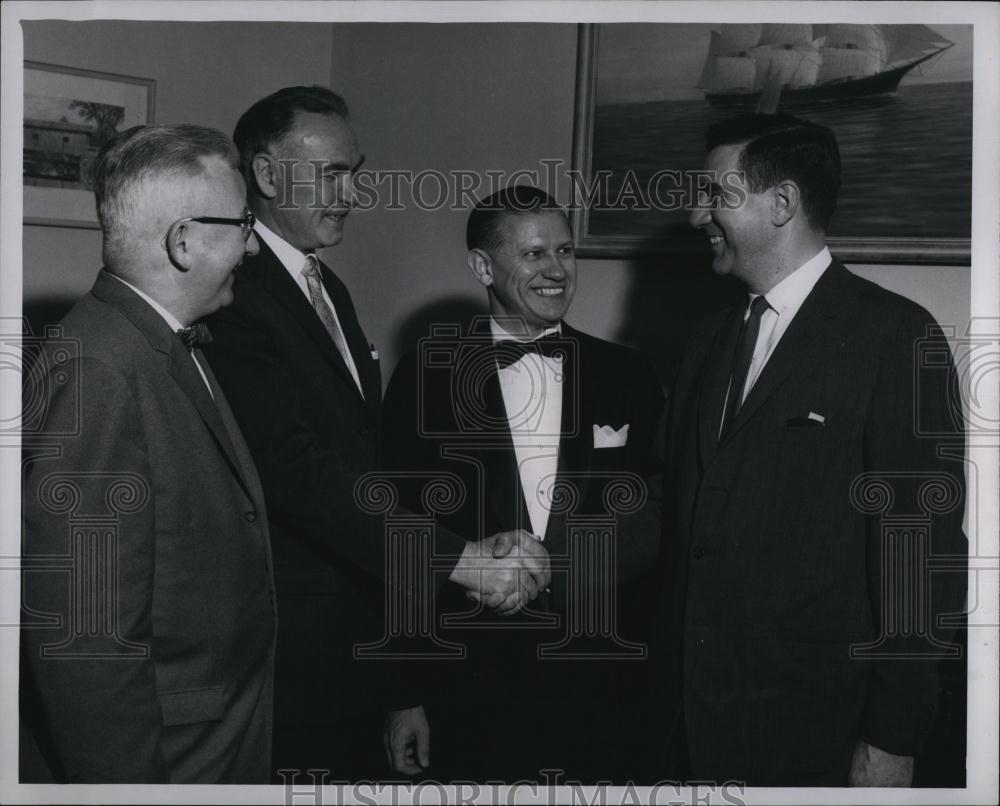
[(245, 223)]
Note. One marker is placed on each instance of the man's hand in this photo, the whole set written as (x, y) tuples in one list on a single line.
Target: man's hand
[(873, 767), (506, 571), (407, 740)]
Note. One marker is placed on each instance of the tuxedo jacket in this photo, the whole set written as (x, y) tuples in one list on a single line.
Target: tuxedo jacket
[(798, 538), (312, 434), (149, 622), (444, 416)]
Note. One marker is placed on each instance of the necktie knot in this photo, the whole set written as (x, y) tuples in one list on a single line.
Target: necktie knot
[(195, 335), (509, 351), (311, 268)]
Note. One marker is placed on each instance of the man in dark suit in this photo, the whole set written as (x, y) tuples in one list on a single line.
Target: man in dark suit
[(551, 430), (305, 386), (802, 428), (149, 620)]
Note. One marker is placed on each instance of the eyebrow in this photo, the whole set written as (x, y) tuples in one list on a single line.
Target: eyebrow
[(343, 166)]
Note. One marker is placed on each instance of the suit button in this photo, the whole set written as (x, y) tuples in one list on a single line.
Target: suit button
[(364, 431), (698, 553), (250, 515)]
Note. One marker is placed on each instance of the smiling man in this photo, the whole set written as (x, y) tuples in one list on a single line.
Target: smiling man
[(790, 416), (153, 661), (306, 389), (540, 423)]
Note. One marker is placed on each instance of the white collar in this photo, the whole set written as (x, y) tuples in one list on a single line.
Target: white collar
[(500, 333), (790, 293), (291, 258)]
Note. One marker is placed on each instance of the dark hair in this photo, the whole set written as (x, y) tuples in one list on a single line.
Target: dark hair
[(777, 147), (269, 120), (145, 151), (484, 229)]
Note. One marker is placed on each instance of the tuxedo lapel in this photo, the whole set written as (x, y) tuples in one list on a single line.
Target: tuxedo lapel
[(180, 365), (576, 437), (501, 475)]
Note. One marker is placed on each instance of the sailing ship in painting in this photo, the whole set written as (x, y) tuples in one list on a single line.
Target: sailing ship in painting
[(746, 63)]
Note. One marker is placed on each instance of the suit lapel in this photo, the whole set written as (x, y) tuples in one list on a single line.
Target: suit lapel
[(180, 366), (282, 287), (793, 349), (715, 382), (368, 373)]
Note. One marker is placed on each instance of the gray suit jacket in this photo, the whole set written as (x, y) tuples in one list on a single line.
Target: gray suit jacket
[(149, 622)]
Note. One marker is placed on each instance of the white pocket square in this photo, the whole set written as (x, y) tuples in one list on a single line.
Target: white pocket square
[(606, 437)]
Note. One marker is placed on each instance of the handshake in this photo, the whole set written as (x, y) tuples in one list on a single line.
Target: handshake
[(505, 571)]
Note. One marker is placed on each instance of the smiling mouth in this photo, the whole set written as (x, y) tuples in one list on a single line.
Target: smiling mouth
[(549, 292), (715, 240)]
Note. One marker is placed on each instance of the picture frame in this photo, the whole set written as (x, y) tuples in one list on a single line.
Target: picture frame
[(68, 114), (906, 194)]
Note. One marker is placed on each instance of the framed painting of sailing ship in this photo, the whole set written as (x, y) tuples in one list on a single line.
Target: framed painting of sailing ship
[(898, 97), (68, 115)]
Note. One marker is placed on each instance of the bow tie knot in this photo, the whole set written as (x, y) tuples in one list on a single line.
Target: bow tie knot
[(195, 335), (508, 352)]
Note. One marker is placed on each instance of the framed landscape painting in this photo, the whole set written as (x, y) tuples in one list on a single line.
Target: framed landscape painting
[(68, 115), (898, 97)]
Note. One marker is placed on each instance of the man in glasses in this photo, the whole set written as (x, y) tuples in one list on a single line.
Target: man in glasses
[(148, 650), (305, 385)]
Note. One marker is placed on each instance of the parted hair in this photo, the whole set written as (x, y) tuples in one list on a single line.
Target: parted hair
[(484, 229), (779, 147), (267, 122), (142, 152)]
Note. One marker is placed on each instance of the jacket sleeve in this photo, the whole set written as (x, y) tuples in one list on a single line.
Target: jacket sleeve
[(307, 485), (88, 582), (914, 443)]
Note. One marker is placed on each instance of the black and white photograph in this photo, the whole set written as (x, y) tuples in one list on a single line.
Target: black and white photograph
[(499, 402)]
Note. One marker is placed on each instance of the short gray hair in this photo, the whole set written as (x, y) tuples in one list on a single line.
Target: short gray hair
[(143, 152)]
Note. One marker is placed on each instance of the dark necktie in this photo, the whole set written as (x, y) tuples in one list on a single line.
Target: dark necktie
[(741, 361), (195, 335), (509, 351)]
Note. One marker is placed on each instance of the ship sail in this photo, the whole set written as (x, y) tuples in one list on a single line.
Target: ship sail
[(742, 58)]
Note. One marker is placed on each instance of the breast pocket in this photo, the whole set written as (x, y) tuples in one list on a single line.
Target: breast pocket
[(191, 706)]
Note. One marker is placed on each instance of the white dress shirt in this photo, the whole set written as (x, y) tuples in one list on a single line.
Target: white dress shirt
[(294, 260), (784, 300), (171, 320), (532, 396)]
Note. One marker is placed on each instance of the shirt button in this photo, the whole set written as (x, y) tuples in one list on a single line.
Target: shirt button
[(250, 515)]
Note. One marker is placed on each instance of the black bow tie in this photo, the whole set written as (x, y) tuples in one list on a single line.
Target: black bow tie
[(509, 352), (195, 335)]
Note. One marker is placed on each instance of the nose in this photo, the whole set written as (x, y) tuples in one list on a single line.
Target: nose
[(252, 246), (555, 268), (700, 216)]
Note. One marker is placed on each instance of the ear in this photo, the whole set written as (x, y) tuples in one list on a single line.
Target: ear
[(786, 202), (264, 174), (482, 266), (179, 245)]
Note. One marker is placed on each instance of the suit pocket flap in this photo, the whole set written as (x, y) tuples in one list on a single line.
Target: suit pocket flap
[(194, 705)]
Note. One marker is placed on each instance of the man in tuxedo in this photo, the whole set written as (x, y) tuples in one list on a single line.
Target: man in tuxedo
[(803, 428), (305, 386), (149, 621), (551, 430)]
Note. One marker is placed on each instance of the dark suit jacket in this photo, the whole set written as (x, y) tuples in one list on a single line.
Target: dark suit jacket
[(149, 623), (312, 435), (451, 419), (779, 534)]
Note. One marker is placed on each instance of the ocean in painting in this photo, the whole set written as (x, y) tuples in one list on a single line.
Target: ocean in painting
[(907, 160)]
